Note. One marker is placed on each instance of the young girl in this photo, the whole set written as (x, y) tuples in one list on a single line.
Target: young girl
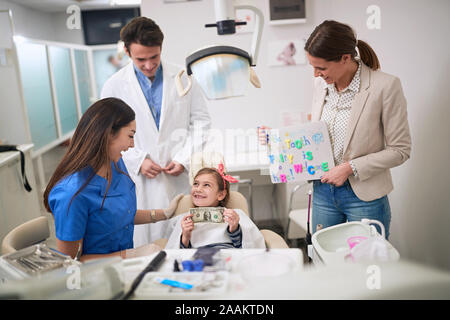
[(211, 188)]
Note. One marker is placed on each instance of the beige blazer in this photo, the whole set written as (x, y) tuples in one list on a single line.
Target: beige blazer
[(377, 136)]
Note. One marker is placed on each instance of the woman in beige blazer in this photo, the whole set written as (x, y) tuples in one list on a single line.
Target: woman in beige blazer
[(365, 112)]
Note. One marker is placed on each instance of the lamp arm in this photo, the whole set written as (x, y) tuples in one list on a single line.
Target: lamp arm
[(257, 33), (179, 85)]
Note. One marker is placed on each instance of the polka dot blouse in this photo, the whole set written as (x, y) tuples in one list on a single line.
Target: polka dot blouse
[(336, 113)]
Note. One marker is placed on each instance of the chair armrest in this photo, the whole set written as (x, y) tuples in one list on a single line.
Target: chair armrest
[(273, 240), (161, 242), (26, 234)]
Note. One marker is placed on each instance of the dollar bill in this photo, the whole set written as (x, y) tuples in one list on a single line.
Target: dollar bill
[(207, 214)]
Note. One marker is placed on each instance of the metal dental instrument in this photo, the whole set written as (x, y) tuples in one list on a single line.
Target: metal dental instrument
[(78, 255)]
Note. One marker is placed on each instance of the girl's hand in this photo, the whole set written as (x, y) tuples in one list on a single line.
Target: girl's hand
[(187, 225), (232, 218)]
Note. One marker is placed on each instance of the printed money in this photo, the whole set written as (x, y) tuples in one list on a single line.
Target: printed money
[(207, 214)]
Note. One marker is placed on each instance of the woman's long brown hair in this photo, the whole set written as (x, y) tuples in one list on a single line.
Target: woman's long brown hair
[(89, 144), (331, 39)]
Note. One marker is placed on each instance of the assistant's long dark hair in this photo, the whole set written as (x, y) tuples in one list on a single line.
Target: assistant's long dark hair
[(89, 144), (331, 39)]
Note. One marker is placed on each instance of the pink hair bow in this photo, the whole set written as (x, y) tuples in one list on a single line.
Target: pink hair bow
[(226, 177)]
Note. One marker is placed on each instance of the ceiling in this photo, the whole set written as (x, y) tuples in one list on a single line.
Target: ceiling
[(61, 5)]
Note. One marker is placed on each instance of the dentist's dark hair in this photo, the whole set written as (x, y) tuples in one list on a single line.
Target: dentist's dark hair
[(142, 30), (331, 39), (89, 144)]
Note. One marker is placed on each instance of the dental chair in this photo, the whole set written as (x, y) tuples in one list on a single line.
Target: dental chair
[(27, 234), (236, 201)]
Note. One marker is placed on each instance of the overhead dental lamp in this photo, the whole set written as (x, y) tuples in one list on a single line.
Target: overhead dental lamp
[(224, 71)]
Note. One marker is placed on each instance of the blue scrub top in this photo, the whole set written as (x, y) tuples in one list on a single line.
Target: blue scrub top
[(103, 231)]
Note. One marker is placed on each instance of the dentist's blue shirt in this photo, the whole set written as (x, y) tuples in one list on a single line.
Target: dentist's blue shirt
[(153, 91), (103, 231)]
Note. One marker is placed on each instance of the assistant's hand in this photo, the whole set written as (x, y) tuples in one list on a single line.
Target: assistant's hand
[(337, 175), (173, 206), (232, 218), (262, 134), (150, 169), (174, 168)]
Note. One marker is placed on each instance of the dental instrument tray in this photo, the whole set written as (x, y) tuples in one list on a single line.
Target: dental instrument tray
[(34, 260), (182, 284)]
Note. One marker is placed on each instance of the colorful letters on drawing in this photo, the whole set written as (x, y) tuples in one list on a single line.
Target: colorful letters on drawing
[(296, 156)]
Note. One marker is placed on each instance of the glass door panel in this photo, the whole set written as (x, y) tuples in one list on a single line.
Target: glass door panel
[(65, 92), (36, 87), (84, 81)]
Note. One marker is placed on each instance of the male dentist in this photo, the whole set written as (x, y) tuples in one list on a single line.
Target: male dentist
[(164, 140)]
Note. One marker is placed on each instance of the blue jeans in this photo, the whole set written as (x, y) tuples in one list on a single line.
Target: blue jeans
[(334, 205)]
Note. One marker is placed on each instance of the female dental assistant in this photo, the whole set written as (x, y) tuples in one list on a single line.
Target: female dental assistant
[(91, 195)]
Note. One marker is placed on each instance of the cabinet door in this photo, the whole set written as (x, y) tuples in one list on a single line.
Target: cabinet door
[(36, 87), (84, 81), (65, 92)]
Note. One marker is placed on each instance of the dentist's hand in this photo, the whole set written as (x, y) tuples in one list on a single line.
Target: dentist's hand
[(174, 168), (150, 169)]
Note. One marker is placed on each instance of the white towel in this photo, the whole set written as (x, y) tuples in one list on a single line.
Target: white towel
[(205, 233)]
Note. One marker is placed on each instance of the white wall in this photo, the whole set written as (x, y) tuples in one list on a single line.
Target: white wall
[(30, 23), (411, 44), (64, 34), (35, 24), (16, 131)]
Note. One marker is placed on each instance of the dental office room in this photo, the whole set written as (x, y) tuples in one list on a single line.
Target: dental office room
[(304, 135)]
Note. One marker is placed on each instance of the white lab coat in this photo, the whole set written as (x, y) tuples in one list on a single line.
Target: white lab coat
[(175, 140)]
